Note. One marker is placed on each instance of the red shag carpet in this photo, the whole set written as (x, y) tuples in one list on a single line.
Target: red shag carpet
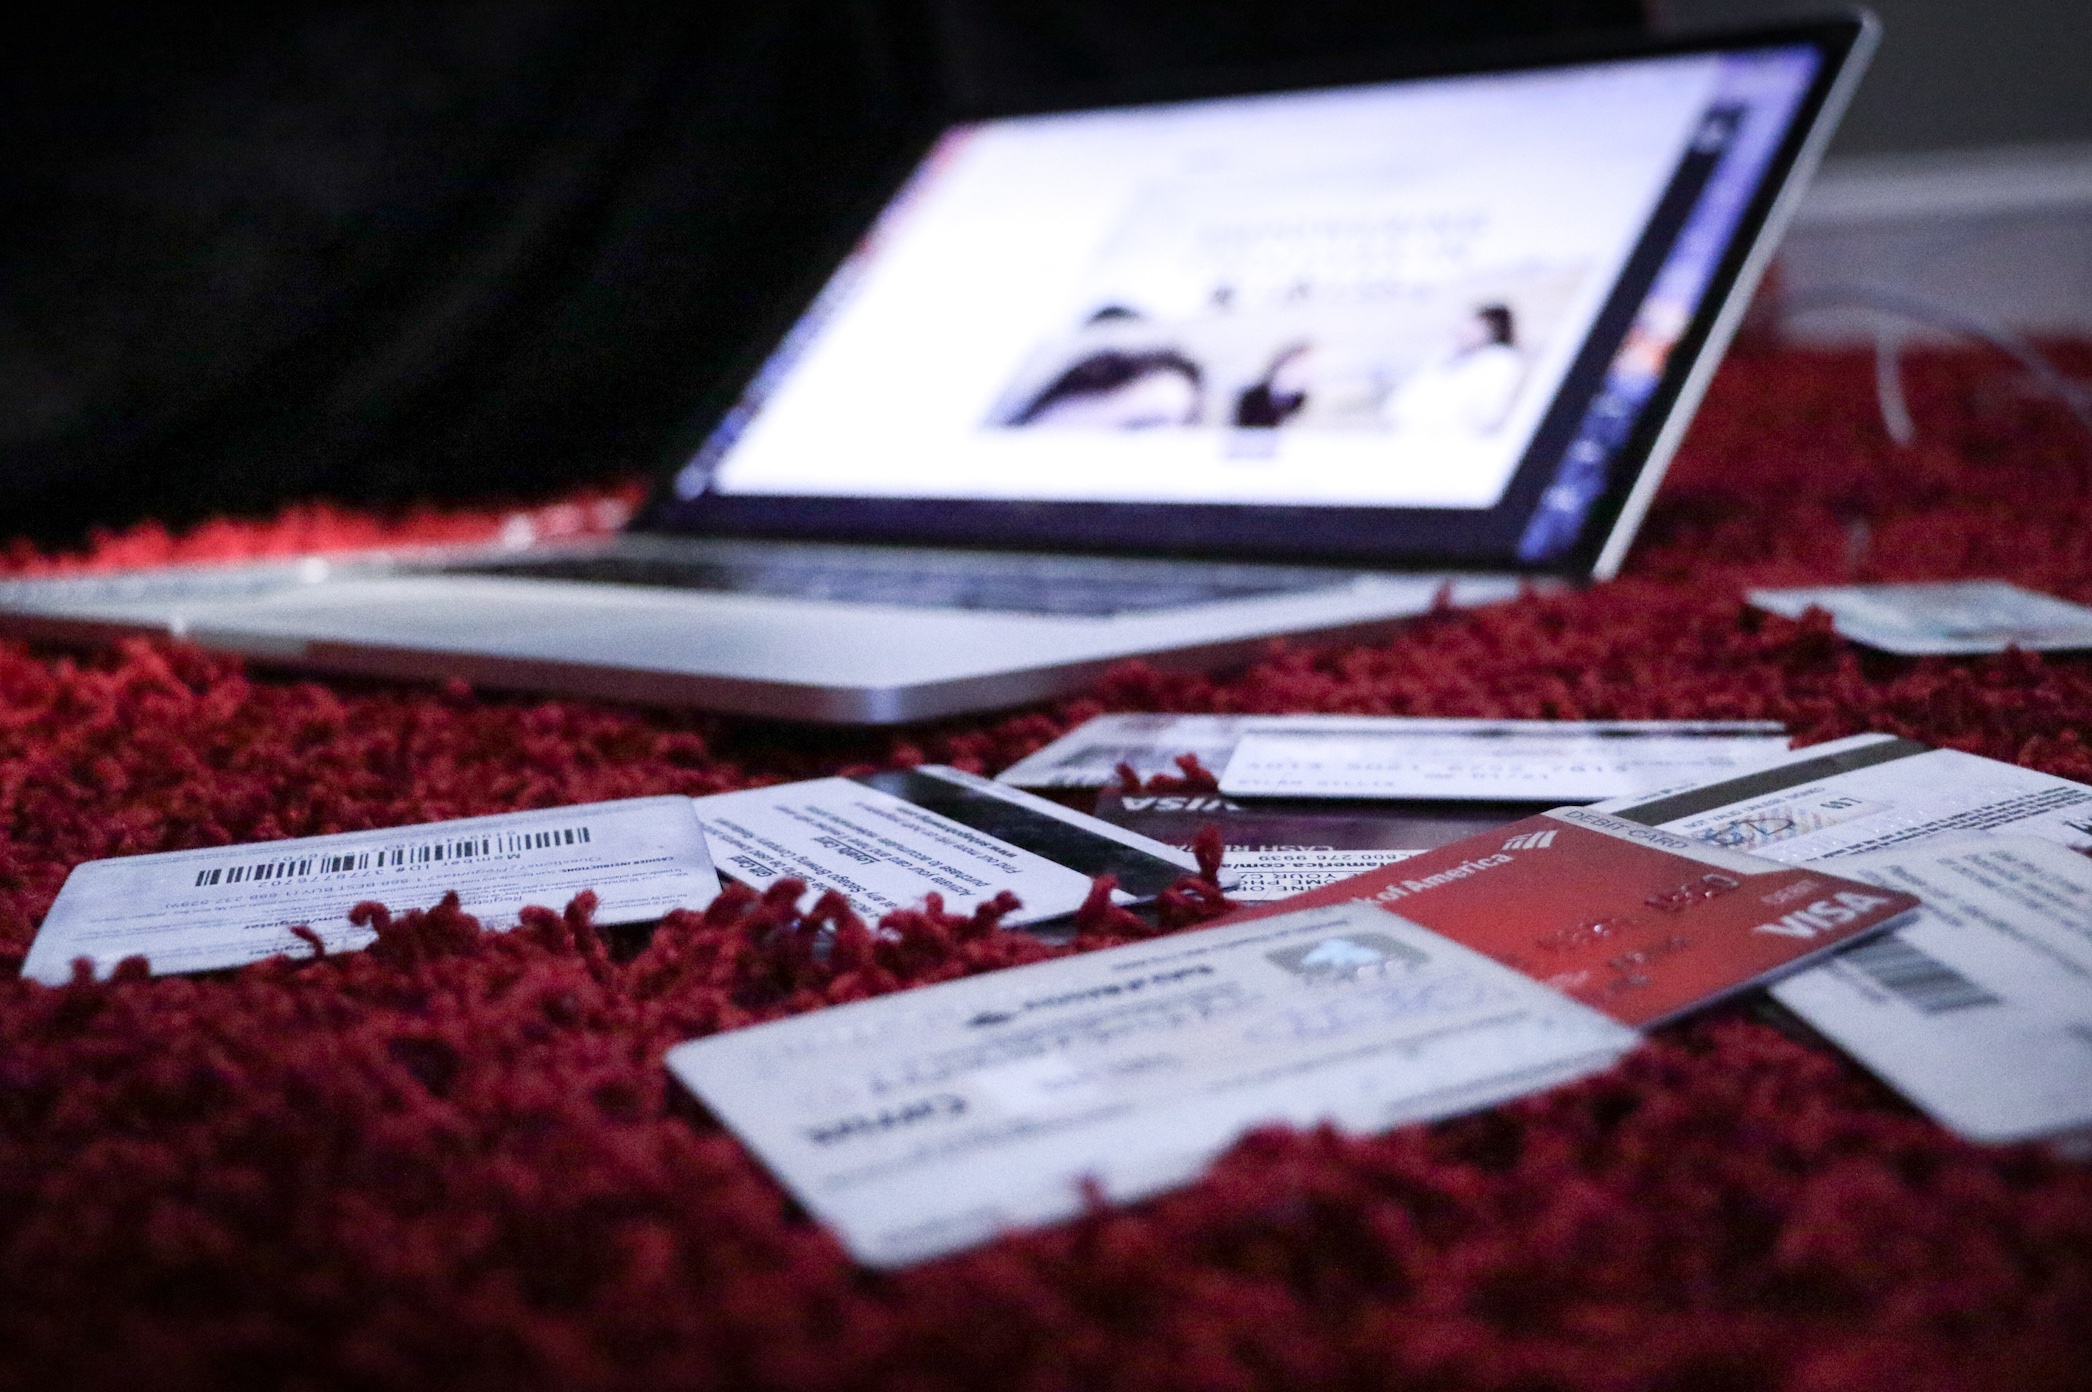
[(455, 1160)]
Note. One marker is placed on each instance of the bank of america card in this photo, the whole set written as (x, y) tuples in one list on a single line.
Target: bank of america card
[(1639, 923), (1278, 850), (887, 840), (1980, 1009), (1869, 793), (923, 1122), (226, 906), (1538, 761), (1947, 617)]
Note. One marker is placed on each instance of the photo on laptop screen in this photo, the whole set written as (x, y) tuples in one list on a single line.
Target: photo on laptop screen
[(1163, 380), (1430, 306)]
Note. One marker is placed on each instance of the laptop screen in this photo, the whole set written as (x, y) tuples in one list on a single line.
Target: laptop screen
[(1424, 317)]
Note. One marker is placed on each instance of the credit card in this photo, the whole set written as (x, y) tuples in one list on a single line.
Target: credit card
[(1089, 755), (1400, 757), (929, 1120), (1980, 1010), (887, 840), (1537, 761), (1639, 923), (1945, 617), (225, 906), (1869, 793), (1278, 850)]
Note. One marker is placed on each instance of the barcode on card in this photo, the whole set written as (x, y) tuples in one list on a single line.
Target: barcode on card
[(1918, 978), (444, 851)]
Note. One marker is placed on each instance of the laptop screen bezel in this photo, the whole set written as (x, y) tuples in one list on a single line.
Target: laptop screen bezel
[(1370, 537)]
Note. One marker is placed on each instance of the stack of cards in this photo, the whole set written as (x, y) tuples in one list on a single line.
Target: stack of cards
[(1431, 941), (1306, 800), (928, 1121)]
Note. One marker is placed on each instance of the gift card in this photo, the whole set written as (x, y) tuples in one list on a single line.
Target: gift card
[(225, 906)]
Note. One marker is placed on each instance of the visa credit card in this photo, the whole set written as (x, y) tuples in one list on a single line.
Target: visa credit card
[(1642, 924)]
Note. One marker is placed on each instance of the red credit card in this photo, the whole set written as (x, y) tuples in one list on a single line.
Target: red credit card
[(1634, 921)]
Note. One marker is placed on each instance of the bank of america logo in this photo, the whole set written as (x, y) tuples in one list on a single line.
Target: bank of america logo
[(1531, 841)]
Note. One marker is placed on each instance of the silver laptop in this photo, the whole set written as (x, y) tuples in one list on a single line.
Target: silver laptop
[(1162, 378)]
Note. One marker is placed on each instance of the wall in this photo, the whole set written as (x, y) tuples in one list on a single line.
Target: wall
[(1951, 74)]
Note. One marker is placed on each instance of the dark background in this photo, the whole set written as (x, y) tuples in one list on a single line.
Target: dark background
[(393, 251)]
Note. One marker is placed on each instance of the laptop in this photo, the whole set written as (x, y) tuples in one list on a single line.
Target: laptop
[(1163, 375)]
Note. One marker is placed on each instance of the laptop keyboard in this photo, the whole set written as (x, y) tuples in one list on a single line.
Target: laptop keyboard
[(1066, 585)]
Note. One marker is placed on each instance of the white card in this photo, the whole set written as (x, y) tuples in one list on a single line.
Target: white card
[(1954, 616), (1489, 760), (887, 840), (1979, 1012), (1869, 793), (930, 1120), (226, 906), (1088, 756)]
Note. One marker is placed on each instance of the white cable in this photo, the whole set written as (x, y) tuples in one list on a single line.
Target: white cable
[(1888, 375)]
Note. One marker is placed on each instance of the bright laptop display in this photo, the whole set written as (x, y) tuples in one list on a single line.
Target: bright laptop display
[(1140, 379), (1430, 311)]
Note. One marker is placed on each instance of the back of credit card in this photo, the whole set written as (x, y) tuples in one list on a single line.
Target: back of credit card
[(929, 1120), (1868, 793), (888, 840), (1639, 923)]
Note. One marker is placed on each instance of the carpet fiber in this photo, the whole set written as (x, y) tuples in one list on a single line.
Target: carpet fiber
[(455, 1159)]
